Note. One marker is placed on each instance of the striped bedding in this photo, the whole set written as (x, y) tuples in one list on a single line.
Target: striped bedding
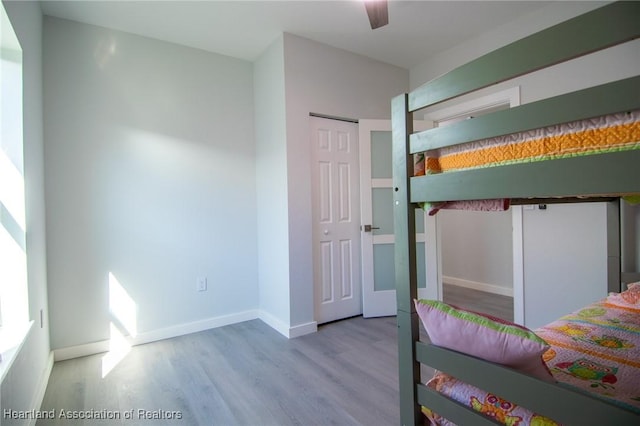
[(609, 133), (615, 132), (595, 349)]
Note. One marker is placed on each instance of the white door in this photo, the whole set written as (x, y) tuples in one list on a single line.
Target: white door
[(378, 268), (336, 219)]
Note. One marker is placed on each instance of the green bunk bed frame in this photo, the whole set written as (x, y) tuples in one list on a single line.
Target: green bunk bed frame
[(616, 174)]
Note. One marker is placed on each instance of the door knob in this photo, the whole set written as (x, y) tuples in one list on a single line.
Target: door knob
[(368, 228)]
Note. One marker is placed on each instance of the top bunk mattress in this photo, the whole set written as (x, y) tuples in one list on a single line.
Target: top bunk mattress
[(609, 133)]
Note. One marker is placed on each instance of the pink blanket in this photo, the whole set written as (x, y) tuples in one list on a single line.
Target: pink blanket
[(501, 204)]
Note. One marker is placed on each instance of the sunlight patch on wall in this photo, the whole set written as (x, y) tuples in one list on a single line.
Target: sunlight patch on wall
[(122, 307), (105, 50), (123, 310)]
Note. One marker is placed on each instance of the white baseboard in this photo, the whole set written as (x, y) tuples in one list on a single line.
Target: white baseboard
[(302, 329), (42, 388), (474, 285), (78, 351), (155, 335), (188, 328), (284, 329), (194, 327), (275, 323)]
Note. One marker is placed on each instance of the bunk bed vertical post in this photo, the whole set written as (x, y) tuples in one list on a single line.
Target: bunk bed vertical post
[(405, 261), (614, 241), (628, 245)]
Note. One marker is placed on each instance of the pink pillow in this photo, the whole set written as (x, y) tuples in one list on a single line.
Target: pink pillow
[(630, 298), (484, 336)]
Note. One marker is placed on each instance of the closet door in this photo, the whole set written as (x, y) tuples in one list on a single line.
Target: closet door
[(336, 219)]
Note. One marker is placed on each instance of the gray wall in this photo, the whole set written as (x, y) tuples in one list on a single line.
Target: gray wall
[(24, 385), (476, 247), (565, 254), (271, 183), (150, 176), (326, 80), (293, 78)]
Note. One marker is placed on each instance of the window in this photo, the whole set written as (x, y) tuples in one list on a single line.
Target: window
[(14, 303)]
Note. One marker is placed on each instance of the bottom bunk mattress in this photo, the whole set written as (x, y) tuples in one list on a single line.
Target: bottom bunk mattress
[(595, 349)]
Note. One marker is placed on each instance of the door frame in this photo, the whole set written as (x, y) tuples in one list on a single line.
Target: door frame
[(511, 97), (373, 303), (383, 302)]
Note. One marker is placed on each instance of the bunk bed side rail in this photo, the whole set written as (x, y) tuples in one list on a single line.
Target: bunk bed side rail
[(610, 98), (451, 409), (616, 23), (614, 247), (615, 173), (558, 402)]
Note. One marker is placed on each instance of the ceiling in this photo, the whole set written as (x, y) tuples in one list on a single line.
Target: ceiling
[(244, 29)]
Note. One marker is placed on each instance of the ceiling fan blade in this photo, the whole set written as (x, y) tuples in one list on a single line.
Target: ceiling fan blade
[(378, 12)]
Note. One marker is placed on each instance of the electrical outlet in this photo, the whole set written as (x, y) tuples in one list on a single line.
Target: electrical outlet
[(202, 284)]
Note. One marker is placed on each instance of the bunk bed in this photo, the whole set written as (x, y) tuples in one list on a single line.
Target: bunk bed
[(607, 173)]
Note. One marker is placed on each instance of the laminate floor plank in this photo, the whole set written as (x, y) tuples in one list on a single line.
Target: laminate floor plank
[(243, 379), (493, 304), (247, 374), (205, 400)]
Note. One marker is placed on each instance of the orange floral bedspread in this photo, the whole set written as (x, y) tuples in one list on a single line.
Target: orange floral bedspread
[(597, 349), (609, 133)]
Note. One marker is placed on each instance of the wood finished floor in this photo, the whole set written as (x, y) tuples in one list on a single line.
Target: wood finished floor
[(246, 374), (479, 301)]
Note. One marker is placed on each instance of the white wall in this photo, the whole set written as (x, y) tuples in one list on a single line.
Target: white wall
[(326, 80), (612, 64), (149, 162), (565, 260), (24, 385), (271, 184), (477, 250)]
